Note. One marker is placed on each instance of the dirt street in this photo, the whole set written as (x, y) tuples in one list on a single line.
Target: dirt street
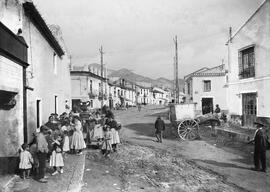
[(141, 164)]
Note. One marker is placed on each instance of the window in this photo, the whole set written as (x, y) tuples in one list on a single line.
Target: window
[(99, 87), (55, 104), (55, 63), (246, 63), (207, 86), (91, 86), (188, 88), (38, 109)]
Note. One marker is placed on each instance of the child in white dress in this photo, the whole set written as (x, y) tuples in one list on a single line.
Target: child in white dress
[(77, 142), (26, 161), (106, 146), (66, 143), (56, 159)]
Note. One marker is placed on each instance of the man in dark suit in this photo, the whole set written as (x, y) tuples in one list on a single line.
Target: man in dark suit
[(160, 127), (260, 146)]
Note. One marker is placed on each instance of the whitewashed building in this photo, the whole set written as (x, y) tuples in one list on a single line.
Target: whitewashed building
[(87, 86), (40, 84), (122, 93), (206, 87), (248, 78), (160, 96)]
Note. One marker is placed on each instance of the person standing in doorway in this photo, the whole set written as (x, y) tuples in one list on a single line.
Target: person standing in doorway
[(160, 127)]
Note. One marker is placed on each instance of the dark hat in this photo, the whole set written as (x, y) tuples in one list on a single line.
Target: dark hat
[(261, 121)]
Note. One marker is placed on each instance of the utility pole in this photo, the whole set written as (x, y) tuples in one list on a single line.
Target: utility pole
[(101, 64), (176, 70), (106, 82)]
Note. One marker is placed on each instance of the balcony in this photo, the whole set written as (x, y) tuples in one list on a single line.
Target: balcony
[(92, 95), (102, 96), (247, 72)]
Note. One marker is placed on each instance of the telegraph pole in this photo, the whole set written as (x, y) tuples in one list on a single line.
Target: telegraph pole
[(101, 64), (176, 70)]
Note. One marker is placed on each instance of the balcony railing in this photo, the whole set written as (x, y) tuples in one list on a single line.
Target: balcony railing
[(102, 96), (92, 95), (247, 72)]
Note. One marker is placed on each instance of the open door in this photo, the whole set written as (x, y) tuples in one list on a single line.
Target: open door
[(207, 105)]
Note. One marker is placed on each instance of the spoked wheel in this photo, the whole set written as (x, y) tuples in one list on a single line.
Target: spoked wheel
[(188, 129)]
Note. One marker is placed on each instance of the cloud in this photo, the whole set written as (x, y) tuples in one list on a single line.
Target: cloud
[(137, 34)]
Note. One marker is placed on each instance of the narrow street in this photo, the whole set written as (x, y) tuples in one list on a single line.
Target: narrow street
[(141, 164)]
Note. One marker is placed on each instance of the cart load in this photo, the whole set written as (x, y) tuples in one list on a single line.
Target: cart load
[(187, 121)]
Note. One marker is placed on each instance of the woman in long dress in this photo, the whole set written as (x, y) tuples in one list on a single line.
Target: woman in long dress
[(77, 142)]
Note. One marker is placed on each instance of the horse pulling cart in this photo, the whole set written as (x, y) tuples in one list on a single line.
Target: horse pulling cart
[(185, 118)]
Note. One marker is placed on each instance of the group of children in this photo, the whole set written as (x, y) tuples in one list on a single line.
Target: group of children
[(103, 130), (66, 134)]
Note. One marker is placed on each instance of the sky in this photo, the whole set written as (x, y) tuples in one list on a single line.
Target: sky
[(138, 34)]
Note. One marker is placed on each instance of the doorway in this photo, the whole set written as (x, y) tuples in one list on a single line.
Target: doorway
[(111, 103), (207, 105), (249, 108)]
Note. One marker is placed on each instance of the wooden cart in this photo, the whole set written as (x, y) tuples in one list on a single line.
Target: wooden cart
[(187, 121)]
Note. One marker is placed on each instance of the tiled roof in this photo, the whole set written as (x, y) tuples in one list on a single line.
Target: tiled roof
[(215, 71)]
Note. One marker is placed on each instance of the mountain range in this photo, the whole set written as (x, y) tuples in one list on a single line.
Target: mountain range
[(129, 75)]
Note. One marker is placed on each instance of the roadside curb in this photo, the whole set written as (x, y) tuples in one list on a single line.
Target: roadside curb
[(9, 184)]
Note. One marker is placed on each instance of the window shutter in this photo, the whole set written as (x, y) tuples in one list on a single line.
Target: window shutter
[(240, 64)]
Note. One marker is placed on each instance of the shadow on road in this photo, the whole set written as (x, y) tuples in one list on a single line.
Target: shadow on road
[(221, 164), (163, 114), (145, 138), (148, 129)]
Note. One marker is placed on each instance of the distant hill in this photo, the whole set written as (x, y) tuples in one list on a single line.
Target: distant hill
[(133, 77), (130, 76), (163, 82)]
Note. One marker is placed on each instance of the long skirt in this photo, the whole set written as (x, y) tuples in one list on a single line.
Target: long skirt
[(66, 144), (77, 142), (56, 160), (107, 145), (98, 132), (115, 136)]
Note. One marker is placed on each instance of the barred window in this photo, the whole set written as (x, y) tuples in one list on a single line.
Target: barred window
[(247, 63), (207, 86)]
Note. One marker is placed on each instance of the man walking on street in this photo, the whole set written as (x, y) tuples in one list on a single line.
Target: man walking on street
[(260, 145), (160, 127), (42, 150)]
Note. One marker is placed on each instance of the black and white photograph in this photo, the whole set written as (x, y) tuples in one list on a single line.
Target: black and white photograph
[(134, 96)]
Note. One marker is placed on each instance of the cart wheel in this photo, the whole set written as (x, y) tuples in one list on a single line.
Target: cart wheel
[(188, 129)]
